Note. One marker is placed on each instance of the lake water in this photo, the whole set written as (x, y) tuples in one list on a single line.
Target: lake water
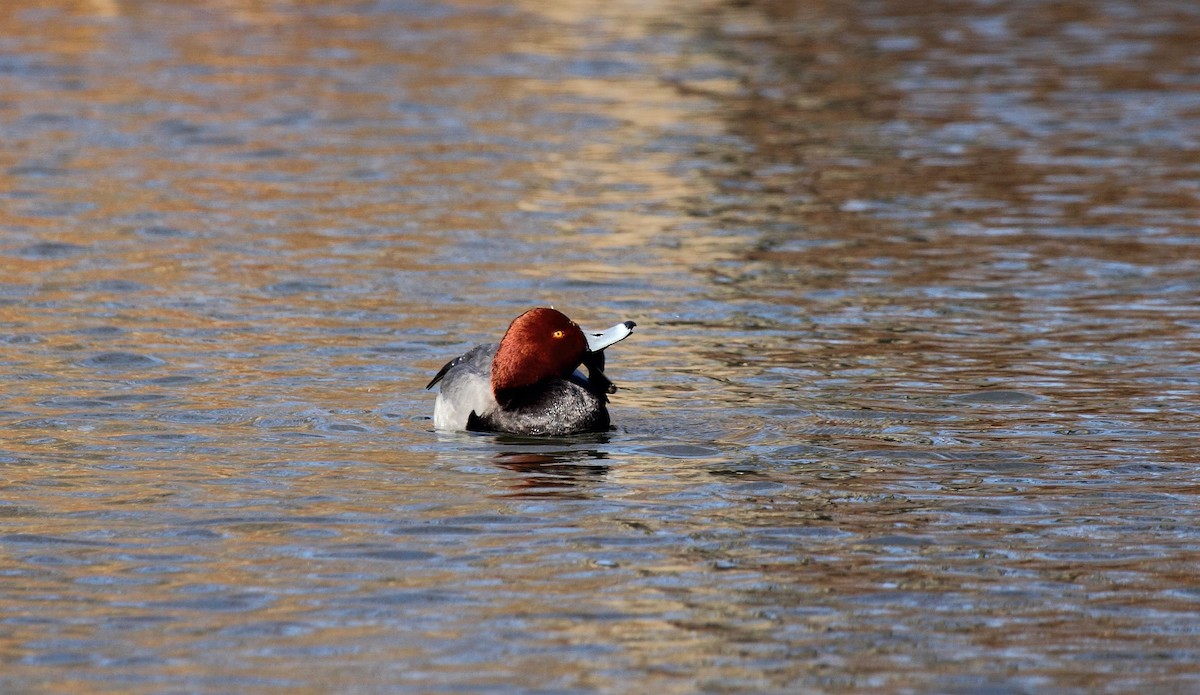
[(911, 405)]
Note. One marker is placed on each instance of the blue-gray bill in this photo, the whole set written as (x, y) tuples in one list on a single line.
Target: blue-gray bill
[(594, 359)]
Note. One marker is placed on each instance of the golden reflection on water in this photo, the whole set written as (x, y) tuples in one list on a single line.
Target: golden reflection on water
[(910, 388), (219, 255)]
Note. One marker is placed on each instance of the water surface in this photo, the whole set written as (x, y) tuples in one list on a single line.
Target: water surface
[(910, 407)]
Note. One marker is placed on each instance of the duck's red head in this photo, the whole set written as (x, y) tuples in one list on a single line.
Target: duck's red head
[(540, 344)]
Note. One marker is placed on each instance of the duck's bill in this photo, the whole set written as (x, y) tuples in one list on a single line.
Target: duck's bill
[(598, 341)]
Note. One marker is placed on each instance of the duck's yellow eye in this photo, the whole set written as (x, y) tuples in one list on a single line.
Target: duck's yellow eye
[(559, 334)]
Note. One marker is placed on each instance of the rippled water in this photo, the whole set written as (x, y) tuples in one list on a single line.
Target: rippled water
[(911, 405)]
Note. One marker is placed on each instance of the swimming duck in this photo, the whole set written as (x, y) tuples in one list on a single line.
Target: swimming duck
[(528, 383)]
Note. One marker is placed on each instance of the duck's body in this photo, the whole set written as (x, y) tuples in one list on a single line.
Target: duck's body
[(556, 407), (528, 384)]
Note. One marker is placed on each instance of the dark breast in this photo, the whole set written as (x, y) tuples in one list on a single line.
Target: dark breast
[(556, 408)]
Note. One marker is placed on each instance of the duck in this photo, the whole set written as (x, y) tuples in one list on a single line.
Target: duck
[(529, 383)]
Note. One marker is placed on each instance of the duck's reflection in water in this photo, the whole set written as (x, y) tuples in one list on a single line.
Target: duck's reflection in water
[(568, 474)]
